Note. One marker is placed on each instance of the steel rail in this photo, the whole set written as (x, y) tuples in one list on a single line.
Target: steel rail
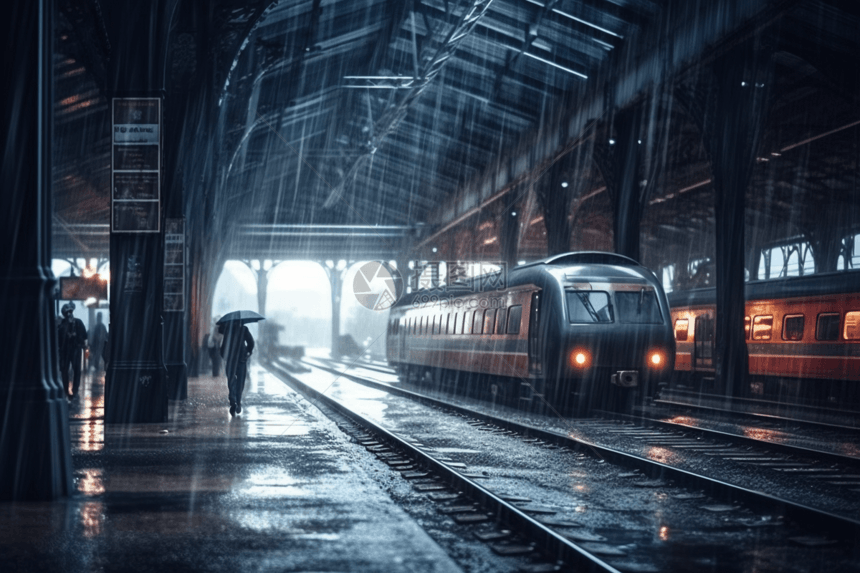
[(551, 545), (822, 455), (675, 404), (836, 525)]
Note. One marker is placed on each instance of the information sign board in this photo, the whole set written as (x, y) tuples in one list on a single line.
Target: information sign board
[(174, 265), (136, 165)]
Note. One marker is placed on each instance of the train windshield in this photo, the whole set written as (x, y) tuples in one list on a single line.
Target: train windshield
[(640, 307), (588, 306)]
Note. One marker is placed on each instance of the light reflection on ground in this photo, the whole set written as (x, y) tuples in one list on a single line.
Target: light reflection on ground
[(92, 515), (91, 483), (663, 455), (686, 420)]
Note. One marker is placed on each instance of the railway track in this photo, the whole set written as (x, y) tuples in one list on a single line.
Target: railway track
[(417, 463), (821, 527), (841, 473)]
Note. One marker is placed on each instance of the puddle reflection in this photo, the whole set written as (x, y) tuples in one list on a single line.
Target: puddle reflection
[(663, 455), (92, 483), (92, 516)]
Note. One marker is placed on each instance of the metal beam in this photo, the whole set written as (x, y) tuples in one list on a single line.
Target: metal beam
[(472, 12)]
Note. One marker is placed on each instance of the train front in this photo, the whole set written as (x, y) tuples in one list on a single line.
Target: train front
[(616, 330)]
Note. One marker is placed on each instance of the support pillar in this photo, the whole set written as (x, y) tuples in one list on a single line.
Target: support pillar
[(555, 197), (619, 161), (335, 278), (509, 234), (35, 458), (731, 110), (136, 379)]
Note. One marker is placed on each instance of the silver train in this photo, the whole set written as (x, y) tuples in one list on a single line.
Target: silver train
[(575, 331)]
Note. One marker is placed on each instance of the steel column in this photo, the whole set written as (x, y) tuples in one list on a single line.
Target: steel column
[(35, 458)]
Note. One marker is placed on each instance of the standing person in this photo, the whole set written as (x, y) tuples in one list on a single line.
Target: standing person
[(72, 337), (215, 340), (97, 338), (236, 348), (205, 359)]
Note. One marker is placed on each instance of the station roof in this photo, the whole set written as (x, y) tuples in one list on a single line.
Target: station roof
[(377, 112)]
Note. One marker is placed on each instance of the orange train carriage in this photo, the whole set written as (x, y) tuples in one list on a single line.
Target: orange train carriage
[(571, 329), (797, 329)]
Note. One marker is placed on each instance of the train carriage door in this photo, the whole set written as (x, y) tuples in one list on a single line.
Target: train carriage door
[(703, 348), (535, 339)]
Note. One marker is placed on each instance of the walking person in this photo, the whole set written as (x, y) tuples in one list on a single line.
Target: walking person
[(72, 338), (97, 337), (214, 347), (236, 348)]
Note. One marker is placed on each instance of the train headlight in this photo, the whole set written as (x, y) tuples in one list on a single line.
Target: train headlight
[(656, 359), (580, 358)]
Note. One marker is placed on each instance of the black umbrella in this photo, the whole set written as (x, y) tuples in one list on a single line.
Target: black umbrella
[(241, 316)]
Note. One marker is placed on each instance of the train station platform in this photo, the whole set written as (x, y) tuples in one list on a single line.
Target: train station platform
[(278, 488)]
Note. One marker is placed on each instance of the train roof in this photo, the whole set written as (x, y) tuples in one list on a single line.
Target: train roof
[(811, 285), (523, 274)]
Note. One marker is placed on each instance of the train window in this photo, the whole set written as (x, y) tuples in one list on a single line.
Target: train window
[(852, 325), (827, 327), (638, 307), (478, 322), (467, 322), (762, 327), (446, 321), (489, 320), (681, 326), (515, 315), (792, 327), (500, 320), (587, 306), (747, 327), (436, 322), (455, 326)]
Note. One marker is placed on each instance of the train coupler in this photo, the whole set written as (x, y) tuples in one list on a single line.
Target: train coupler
[(626, 378)]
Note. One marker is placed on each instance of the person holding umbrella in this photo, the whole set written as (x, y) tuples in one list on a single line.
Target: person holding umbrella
[(236, 348)]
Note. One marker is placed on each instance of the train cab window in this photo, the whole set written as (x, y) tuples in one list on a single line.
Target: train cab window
[(515, 315), (500, 320), (762, 327), (478, 322), (827, 327), (489, 320), (588, 306), (747, 327), (792, 327), (638, 307), (852, 325), (681, 326)]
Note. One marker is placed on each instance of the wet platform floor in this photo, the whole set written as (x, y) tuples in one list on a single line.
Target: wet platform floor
[(278, 488)]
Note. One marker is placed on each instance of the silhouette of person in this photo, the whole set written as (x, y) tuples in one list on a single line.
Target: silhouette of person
[(236, 348), (97, 338), (72, 337), (216, 338)]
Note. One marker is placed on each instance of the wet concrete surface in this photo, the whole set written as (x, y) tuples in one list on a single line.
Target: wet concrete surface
[(279, 488), (635, 523)]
